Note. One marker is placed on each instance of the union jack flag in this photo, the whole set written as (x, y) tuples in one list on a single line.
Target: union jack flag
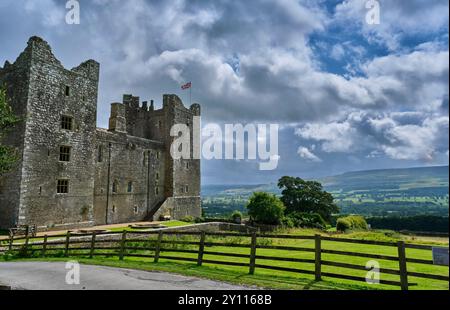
[(186, 86)]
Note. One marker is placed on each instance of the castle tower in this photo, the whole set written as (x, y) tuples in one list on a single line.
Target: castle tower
[(53, 184)]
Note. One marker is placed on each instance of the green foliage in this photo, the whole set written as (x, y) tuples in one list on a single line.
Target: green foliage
[(303, 196), (351, 223), (188, 219), (424, 223), (8, 155), (236, 217), (265, 208), (304, 220)]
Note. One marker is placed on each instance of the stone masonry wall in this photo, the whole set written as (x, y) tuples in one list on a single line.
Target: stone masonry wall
[(56, 92), (130, 160), (118, 175), (15, 77)]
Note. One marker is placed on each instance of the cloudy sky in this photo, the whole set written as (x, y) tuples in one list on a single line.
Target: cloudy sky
[(347, 95)]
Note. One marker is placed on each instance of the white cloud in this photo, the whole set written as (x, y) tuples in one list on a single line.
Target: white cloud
[(397, 19), (397, 136), (305, 153)]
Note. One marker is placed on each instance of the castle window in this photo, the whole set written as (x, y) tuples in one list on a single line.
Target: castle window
[(188, 165), (67, 91), (158, 155), (159, 124), (62, 187), (114, 187), (64, 153), (114, 209), (100, 153), (136, 210), (66, 122), (130, 187), (186, 189), (157, 190), (157, 176), (145, 158)]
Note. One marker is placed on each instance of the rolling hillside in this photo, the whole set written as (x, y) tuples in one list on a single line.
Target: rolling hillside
[(403, 192)]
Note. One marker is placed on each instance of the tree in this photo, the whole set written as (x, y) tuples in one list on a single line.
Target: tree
[(265, 208), (299, 195), (8, 155)]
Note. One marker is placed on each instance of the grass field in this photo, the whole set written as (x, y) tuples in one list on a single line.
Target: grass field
[(281, 279)]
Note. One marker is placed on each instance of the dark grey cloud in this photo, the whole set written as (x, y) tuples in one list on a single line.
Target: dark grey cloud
[(251, 61)]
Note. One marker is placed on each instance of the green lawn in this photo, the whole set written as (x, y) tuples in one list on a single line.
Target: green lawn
[(281, 279)]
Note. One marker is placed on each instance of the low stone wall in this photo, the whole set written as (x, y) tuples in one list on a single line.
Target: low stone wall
[(212, 227), (180, 207)]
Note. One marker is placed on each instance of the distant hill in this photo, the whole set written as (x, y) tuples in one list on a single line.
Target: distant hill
[(432, 178), (402, 192)]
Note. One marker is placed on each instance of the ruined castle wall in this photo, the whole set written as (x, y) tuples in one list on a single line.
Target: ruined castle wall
[(16, 80), (134, 160), (56, 92)]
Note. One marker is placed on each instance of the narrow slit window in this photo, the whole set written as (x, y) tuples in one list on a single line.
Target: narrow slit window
[(130, 187), (114, 187), (62, 187), (64, 153), (67, 91), (145, 159), (100, 154)]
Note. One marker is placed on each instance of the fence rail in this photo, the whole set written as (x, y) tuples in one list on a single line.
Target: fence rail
[(68, 243)]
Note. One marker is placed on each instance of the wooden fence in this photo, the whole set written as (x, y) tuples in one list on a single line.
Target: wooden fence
[(71, 245)]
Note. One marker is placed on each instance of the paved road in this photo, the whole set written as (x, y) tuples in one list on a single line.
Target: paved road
[(52, 276)]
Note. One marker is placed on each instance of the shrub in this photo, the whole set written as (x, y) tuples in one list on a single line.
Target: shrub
[(188, 219), (351, 222), (307, 220), (236, 217), (199, 220), (265, 208), (287, 222)]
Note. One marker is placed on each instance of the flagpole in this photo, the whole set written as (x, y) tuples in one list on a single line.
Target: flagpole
[(190, 95)]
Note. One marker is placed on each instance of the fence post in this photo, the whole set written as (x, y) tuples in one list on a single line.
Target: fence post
[(91, 253), (122, 245), (66, 251), (402, 265), (253, 254), (11, 241), (158, 246), (27, 240), (201, 249), (44, 246), (318, 259)]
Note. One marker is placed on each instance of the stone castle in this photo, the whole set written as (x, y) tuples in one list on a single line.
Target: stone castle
[(73, 174)]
